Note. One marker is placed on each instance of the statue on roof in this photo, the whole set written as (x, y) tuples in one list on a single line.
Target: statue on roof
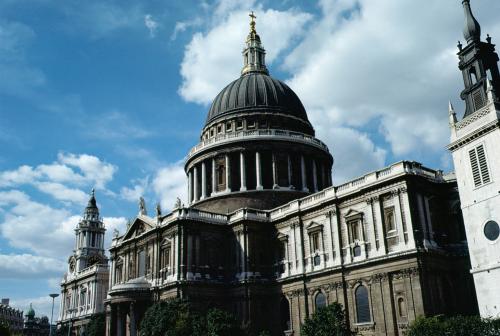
[(142, 207)]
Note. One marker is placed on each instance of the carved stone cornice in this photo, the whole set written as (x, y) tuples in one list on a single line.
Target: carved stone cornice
[(405, 273), (379, 277)]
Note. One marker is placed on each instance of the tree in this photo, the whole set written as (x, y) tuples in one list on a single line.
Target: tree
[(96, 325), (454, 326), (169, 318), (327, 321), (4, 328), (221, 323)]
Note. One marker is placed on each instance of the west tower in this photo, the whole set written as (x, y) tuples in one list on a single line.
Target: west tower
[(474, 147)]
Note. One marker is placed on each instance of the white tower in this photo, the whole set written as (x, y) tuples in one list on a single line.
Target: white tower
[(475, 142)]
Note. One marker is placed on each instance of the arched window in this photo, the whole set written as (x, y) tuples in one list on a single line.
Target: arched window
[(320, 301), (362, 305), (402, 307), (285, 314)]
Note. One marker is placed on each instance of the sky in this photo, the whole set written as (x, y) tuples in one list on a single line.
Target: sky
[(112, 95)]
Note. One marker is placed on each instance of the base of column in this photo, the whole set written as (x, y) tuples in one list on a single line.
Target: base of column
[(305, 189), (243, 189), (276, 186), (259, 188)]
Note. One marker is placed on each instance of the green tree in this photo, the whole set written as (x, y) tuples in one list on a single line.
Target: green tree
[(96, 325), (327, 321), (221, 323), (4, 328), (454, 326), (169, 318)]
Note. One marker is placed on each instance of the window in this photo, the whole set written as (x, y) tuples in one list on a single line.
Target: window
[(286, 323), (389, 219), (212, 132), (239, 124), (491, 230), (93, 239), (219, 128), (251, 124), (473, 77), (479, 166), (141, 263), (353, 227), (229, 126), (314, 242), (402, 307), (362, 305), (320, 301)]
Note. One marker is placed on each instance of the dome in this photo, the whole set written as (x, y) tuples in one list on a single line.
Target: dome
[(31, 311), (257, 92)]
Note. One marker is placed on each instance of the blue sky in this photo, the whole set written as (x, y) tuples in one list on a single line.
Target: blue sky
[(113, 94)]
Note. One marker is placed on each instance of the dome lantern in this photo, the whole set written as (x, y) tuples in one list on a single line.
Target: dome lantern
[(254, 54)]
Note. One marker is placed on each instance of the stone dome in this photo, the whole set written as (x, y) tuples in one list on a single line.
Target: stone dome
[(258, 93)]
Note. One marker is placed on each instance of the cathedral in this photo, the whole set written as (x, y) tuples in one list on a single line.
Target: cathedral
[(85, 285), (266, 236)]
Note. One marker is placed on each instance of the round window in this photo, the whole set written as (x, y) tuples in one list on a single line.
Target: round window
[(491, 230)]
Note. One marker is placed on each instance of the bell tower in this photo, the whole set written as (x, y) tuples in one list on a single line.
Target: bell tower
[(474, 147), (89, 244)]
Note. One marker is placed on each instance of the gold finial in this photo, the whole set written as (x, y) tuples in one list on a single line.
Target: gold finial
[(252, 22)]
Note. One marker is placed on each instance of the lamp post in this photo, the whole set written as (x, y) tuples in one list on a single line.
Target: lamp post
[(53, 296)]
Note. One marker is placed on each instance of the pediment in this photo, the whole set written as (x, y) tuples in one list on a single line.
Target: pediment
[(314, 226), (281, 236), (139, 225), (353, 214)]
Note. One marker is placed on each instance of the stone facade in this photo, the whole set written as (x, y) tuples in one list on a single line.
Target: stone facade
[(396, 232), (12, 316)]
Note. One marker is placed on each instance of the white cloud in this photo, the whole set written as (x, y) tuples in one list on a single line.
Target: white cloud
[(61, 192), (151, 24), (92, 167), (22, 266), (41, 305), (213, 59), (169, 183), (36, 227), (138, 190), (111, 224)]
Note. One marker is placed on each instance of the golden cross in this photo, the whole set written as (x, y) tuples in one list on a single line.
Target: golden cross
[(252, 15)]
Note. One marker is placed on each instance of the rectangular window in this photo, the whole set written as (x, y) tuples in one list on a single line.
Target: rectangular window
[(389, 219), (219, 128), (479, 166), (239, 124), (353, 227), (229, 126), (251, 124), (314, 242)]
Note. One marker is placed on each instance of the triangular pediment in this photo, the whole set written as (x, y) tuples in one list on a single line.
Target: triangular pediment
[(139, 225), (314, 226), (353, 214)]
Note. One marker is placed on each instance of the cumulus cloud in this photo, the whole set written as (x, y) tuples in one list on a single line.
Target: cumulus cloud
[(92, 167), (206, 69), (169, 183), (22, 266), (111, 224), (138, 190), (151, 24), (42, 305)]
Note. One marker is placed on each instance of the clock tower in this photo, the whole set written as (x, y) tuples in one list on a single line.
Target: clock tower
[(474, 146)]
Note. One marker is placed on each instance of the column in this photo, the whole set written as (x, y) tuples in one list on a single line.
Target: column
[(214, 178), (195, 184), (315, 176), (303, 173), (109, 319), (289, 171), (398, 218), (190, 187), (119, 321), (133, 329), (258, 172), (275, 173), (203, 180), (228, 173), (243, 173)]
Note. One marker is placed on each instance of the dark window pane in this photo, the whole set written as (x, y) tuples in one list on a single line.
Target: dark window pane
[(320, 301), (362, 305), (492, 230)]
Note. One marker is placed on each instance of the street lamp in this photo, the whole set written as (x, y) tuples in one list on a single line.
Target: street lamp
[(53, 296)]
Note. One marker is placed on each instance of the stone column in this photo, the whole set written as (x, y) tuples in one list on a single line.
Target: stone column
[(195, 184), (228, 173), (315, 176), (190, 187), (258, 171), (119, 321), (303, 173), (289, 171), (214, 178), (109, 319), (275, 172), (203, 180), (243, 173), (133, 329)]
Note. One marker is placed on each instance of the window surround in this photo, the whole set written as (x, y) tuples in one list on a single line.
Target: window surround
[(354, 290), (316, 243)]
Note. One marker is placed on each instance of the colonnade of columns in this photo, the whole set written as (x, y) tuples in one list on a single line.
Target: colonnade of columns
[(224, 161), (122, 320)]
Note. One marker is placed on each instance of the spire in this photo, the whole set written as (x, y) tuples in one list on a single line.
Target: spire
[(472, 29), (91, 211), (452, 115), (254, 53)]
